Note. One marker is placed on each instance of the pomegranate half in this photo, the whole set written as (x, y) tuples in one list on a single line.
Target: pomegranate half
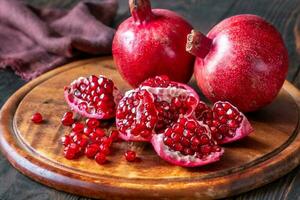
[(150, 43), (187, 143), (242, 60)]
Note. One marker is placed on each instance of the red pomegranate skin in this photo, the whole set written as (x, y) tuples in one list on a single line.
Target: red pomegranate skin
[(144, 49), (246, 65)]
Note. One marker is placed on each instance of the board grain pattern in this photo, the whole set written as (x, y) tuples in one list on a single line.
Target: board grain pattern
[(36, 152)]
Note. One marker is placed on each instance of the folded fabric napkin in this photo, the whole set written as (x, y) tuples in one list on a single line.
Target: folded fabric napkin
[(33, 41)]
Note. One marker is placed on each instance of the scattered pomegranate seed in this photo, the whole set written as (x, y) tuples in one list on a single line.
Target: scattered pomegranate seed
[(72, 151), (92, 123), (87, 131), (91, 150), (114, 135), (130, 155), (77, 127), (37, 118), (67, 119), (104, 148), (100, 158), (66, 140), (99, 132)]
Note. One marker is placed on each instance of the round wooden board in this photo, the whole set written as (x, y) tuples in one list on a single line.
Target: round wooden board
[(271, 151)]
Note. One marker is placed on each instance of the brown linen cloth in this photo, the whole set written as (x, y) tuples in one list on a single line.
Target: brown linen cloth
[(33, 41)]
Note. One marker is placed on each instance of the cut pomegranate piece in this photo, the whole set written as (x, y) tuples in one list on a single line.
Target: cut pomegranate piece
[(93, 97), (136, 115), (226, 122), (187, 143), (171, 99)]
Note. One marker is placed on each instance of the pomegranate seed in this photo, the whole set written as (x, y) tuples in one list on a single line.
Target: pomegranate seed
[(190, 101), (77, 137), (83, 141), (78, 127), (168, 141), (130, 156), (66, 140), (87, 131), (178, 147), (99, 132), (37, 118), (104, 148), (100, 158), (204, 139), (68, 115), (67, 119), (114, 135), (191, 125), (92, 123), (91, 150), (195, 141), (205, 149), (71, 151)]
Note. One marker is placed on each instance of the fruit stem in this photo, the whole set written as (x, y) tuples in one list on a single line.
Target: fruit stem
[(198, 44), (140, 10)]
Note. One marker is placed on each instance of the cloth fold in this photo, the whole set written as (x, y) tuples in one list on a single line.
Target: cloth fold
[(33, 40)]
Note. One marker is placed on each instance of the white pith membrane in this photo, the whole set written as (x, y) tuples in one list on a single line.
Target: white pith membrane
[(236, 123), (177, 158), (140, 109), (86, 108)]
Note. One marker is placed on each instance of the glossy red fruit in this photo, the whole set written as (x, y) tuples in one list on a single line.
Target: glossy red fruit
[(92, 123), (66, 140), (91, 150), (151, 43), (93, 97), (67, 119), (77, 127), (72, 151), (100, 158), (187, 143), (242, 60), (37, 118), (226, 122), (130, 156), (114, 135)]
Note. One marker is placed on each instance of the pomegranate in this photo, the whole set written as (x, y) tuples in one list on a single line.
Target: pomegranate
[(152, 107), (242, 60), (187, 143), (67, 119), (37, 118), (93, 97), (100, 158), (130, 156), (226, 122), (151, 43)]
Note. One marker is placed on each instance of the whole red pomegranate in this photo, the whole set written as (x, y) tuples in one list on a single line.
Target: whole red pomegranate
[(150, 43), (242, 60)]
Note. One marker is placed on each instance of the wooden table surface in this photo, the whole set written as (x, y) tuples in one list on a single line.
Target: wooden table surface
[(203, 14)]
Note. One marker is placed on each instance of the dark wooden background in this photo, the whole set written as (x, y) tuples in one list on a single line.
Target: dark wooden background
[(203, 14)]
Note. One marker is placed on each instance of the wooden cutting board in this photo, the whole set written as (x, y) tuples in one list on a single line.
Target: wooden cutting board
[(271, 151)]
